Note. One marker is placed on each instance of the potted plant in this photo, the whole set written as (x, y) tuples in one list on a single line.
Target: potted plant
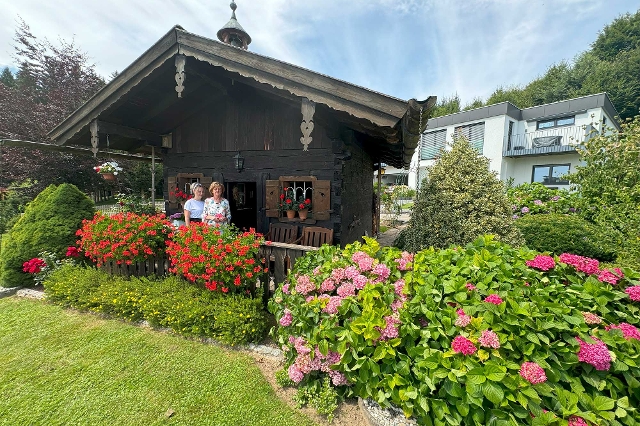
[(303, 206), (288, 203), (108, 170), (177, 219)]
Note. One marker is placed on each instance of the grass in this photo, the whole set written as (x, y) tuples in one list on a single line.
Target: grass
[(63, 367), (383, 229)]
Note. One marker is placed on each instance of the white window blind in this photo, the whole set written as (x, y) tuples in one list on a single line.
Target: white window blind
[(432, 143), (474, 134)]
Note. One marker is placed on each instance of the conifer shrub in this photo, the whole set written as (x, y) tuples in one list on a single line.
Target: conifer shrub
[(49, 223), (459, 200), (557, 234)]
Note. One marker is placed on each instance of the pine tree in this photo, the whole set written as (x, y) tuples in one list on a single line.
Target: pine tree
[(7, 78), (459, 200)]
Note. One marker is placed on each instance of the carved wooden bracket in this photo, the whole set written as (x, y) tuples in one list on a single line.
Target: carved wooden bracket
[(308, 109), (180, 75), (93, 128)]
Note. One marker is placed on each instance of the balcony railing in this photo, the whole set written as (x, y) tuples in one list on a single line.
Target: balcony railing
[(556, 140)]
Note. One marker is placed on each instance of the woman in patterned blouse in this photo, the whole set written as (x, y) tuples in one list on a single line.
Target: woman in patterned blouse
[(216, 209)]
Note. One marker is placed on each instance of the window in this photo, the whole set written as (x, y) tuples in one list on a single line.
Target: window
[(474, 134), (319, 191), (510, 135), (432, 143), (556, 122), (550, 174)]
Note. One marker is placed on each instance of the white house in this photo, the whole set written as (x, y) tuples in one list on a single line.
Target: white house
[(536, 144)]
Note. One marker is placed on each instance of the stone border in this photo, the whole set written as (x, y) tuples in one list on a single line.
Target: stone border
[(378, 416), (8, 291)]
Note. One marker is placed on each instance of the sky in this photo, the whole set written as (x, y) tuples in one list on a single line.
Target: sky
[(403, 48)]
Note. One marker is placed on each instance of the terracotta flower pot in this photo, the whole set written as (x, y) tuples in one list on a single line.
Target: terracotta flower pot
[(108, 176), (291, 214), (303, 214)]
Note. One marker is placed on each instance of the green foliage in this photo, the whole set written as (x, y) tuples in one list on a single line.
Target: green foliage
[(170, 302), (557, 234), (535, 198), (475, 103), (446, 106), (7, 78), (459, 200), (136, 178), (49, 223), (11, 206), (392, 339), (319, 395), (622, 35), (609, 182), (133, 203)]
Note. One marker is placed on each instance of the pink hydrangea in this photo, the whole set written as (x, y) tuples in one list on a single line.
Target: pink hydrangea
[(305, 285), (300, 344), (398, 287), (463, 319), (463, 345), (470, 286), (590, 318), (493, 298), (633, 292), (360, 281), (596, 354), (286, 319), (316, 270), (295, 374), (285, 288), (607, 276), (304, 363), (338, 274), (397, 304), (577, 421), (404, 261), (328, 285), (581, 263), (489, 339), (391, 329), (347, 289), (364, 261), (533, 373), (332, 306), (350, 272), (338, 378), (382, 271), (544, 263), (628, 331)]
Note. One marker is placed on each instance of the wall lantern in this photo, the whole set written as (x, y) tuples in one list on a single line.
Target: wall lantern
[(238, 160)]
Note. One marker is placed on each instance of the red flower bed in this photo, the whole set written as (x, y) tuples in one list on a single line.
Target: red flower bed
[(221, 260), (124, 237)]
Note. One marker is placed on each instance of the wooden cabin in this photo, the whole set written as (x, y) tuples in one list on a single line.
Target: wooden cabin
[(214, 111)]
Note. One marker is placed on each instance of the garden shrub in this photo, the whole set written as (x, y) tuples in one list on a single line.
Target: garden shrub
[(535, 198), (124, 237), (164, 302), (459, 200), (221, 259), (49, 223), (485, 334), (557, 234)]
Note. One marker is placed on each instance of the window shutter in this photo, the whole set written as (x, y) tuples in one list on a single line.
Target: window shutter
[(432, 143), (172, 183), (206, 182), (321, 208), (272, 198), (474, 134)]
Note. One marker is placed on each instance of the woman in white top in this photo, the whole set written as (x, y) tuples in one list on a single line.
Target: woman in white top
[(194, 206)]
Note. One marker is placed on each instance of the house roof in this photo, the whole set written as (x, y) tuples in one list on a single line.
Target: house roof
[(398, 123), (540, 112)]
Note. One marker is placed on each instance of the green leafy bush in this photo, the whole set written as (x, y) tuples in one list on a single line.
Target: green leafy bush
[(49, 223), (557, 234), (486, 334), (535, 198), (459, 200), (170, 302)]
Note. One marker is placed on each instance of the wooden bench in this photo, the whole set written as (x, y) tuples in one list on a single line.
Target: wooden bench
[(282, 233), (315, 236)]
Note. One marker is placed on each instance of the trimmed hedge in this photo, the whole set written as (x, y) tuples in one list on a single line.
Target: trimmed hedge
[(557, 234), (165, 302), (49, 223)]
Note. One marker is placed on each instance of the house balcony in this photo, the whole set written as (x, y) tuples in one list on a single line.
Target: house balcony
[(550, 141)]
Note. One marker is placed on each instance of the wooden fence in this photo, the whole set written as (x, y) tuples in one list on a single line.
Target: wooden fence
[(279, 258)]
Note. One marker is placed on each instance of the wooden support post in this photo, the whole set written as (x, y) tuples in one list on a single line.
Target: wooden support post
[(379, 195)]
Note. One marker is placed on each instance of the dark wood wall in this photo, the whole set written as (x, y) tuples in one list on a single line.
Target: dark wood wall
[(267, 134)]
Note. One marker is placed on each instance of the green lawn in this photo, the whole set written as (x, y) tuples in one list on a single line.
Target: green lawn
[(62, 367)]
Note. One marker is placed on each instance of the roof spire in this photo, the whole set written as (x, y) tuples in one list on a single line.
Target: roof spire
[(233, 33)]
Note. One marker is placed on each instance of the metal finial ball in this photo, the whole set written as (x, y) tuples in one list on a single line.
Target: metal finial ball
[(233, 5)]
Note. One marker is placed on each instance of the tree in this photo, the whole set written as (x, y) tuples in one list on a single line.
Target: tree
[(622, 35), (7, 78), (52, 81), (609, 182), (446, 106), (459, 200)]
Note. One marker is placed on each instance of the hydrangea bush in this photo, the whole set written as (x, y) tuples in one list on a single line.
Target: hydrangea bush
[(486, 334), (535, 198)]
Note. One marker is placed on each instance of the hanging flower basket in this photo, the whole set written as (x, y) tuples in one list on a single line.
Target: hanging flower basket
[(108, 170), (108, 176)]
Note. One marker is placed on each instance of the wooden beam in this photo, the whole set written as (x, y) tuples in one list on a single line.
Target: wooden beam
[(151, 138)]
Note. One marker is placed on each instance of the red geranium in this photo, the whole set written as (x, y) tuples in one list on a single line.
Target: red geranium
[(33, 266), (72, 251)]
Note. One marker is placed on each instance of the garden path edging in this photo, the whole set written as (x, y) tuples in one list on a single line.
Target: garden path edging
[(8, 291)]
